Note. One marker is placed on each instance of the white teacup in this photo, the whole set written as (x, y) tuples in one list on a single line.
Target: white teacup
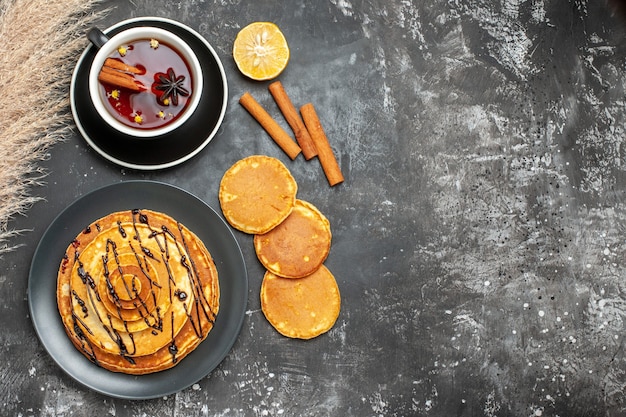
[(108, 46)]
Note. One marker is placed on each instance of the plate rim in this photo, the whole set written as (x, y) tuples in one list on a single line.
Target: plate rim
[(159, 376), (157, 166)]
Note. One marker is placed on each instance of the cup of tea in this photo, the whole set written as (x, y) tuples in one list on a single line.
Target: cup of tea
[(144, 81)]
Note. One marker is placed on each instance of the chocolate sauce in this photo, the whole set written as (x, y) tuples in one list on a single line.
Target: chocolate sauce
[(64, 262), (141, 263), (148, 253), (173, 348), (197, 285), (87, 278), (121, 229), (81, 303), (117, 338), (84, 340), (153, 319)]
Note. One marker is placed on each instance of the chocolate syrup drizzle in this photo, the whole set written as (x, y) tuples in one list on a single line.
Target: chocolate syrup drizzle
[(153, 319)]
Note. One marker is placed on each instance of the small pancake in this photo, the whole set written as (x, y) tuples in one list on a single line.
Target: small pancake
[(301, 308), (297, 246), (257, 193)]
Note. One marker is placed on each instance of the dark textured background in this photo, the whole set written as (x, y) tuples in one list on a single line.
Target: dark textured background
[(478, 240)]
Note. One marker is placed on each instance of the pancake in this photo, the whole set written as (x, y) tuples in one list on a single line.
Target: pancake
[(301, 308), (137, 292), (297, 246), (257, 193)]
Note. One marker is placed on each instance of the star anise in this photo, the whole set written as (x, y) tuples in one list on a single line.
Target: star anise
[(171, 85)]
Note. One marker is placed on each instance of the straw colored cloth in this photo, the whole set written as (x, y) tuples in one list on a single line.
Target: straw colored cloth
[(39, 45)]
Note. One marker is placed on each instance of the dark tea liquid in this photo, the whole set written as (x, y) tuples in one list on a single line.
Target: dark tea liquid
[(145, 110)]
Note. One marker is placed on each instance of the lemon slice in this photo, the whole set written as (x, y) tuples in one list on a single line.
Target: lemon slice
[(261, 51)]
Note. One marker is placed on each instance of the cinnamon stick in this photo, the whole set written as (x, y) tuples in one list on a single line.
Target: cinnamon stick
[(121, 66), (276, 132), (324, 151), (293, 119), (116, 78)]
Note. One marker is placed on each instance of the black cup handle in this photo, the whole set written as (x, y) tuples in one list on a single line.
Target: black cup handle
[(97, 37)]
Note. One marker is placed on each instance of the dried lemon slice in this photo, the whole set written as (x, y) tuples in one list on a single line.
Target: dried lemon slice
[(261, 51)]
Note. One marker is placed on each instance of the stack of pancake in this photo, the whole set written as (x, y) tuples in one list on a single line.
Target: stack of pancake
[(299, 295), (137, 291)]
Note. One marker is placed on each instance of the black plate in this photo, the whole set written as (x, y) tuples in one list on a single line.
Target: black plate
[(166, 150), (198, 217)]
